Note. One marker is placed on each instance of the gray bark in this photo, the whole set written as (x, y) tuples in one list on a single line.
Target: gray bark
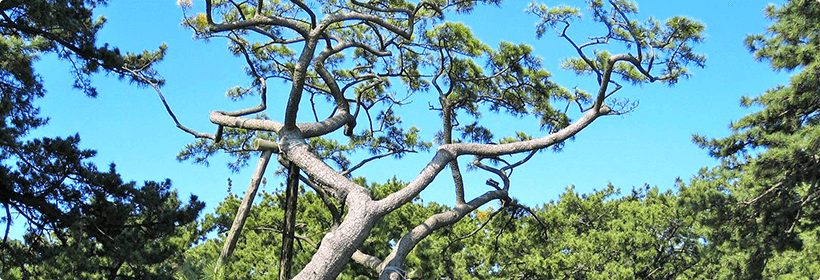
[(242, 213)]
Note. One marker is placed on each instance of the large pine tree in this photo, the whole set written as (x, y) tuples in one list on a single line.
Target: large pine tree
[(762, 200), (82, 223)]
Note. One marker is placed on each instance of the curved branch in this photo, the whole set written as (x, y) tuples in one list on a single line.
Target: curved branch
[(259, 79), (408, 241), (171, 112), (407, 34), (8, 223), (484, 224), (504, 178), (448, 152), (520, 162), (491, 150), (257, 20), (365, 161), (532, 212), (308, 10)]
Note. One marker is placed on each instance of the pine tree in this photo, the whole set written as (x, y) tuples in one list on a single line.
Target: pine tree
[(82, 222), (762, 200)]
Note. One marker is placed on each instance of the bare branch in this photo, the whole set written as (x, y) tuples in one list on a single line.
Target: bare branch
[(257, 20), (308, 129), (370, 18), (365, 161), (308, 10), (484, 224), (258, 78), (458, 181), (179, 125), (242, 213), (408, 241)]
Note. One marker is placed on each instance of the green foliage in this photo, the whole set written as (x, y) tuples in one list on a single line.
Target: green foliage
[(121, 231), (347, 60), (668, 45), (645, 235), (258, 248), (235, 141), (764, 195), (82, 223), (603, 235)]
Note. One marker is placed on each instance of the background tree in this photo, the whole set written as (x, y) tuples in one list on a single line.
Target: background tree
[(761, 202), (346, 59), (601, 235), (81, 222), (643, 235)]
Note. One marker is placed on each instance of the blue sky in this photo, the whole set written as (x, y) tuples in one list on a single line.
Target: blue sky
[(128, 125)]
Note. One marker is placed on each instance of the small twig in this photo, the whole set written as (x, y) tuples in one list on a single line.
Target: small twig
[(179, 125), (485, 223)]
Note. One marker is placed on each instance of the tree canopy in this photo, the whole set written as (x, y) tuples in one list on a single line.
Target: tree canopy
[(348, 59), (330, 81), (762, 199), (81, 222)]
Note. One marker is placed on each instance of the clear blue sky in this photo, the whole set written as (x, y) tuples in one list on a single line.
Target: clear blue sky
[(128, 125)]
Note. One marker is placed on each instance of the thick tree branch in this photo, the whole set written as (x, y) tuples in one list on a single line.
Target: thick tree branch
[(299, 76), (448, 152), (308, 129), (257, 20), (299, 152), (407, 34)]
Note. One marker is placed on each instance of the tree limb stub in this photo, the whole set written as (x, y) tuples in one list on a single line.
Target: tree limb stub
[(308, 130)]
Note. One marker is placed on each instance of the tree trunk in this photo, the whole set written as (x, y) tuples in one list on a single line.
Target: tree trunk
[(291, 196)]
